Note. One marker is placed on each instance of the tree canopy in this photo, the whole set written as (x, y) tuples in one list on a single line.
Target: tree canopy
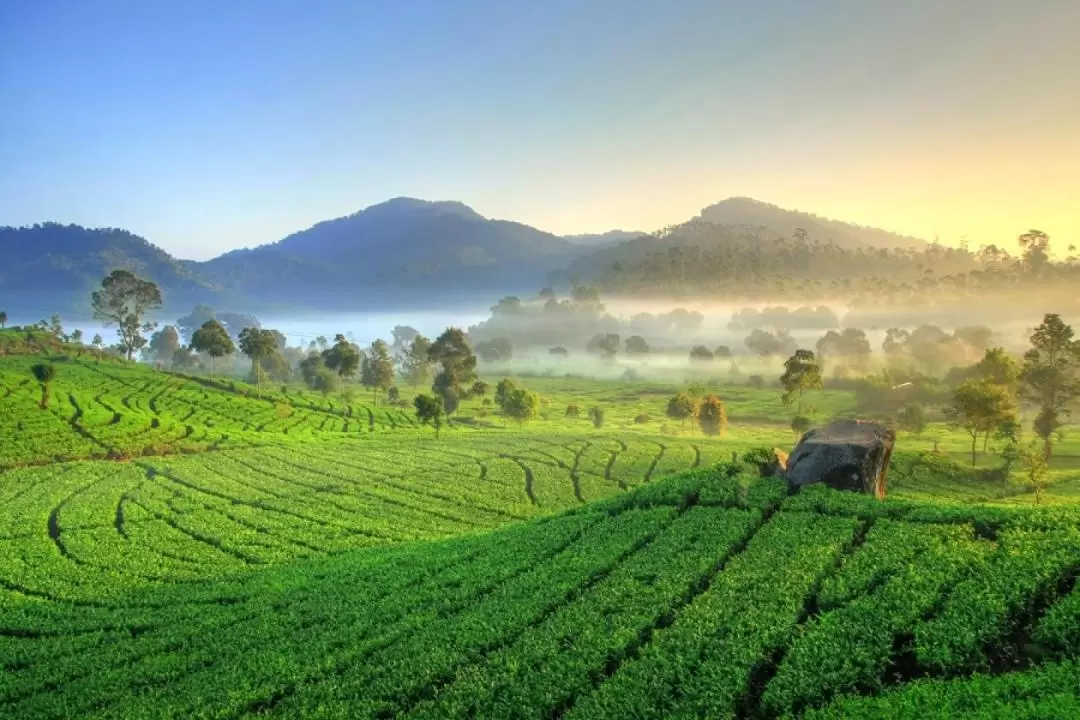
[(123, 301)]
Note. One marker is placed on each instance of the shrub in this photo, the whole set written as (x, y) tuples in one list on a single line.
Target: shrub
[(641, 419)]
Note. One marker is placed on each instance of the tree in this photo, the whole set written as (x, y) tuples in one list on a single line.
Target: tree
[(479, 389), (997, 367), (559, 351), (457, 365), (56, 327), (3, 320), (343, 358), (606, 345), (700, 353), (124, 300), (213, 340), (378, 370), (503, 389), (164, 344), (912, 419), (722, 351), (414, 363), (712, 418), (257, 345), (596, 415), (403, 336), (979, 407), (636, 345), (522, 405), (44, 373), (573, 411), (680, 407), (185, 358), (1036, 247), (393, 395), (99, 343), (499, 349), (198, 317), (800, 424), (429, 410), (1049, 376), (76, 336), (801, 373)]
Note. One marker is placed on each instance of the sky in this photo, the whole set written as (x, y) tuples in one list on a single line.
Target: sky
[(205, 125)]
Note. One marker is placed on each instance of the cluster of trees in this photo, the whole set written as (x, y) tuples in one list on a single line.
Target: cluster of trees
[(708, 411), (720, 261), (782, 318)]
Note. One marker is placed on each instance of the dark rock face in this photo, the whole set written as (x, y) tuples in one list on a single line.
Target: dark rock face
[(846, 455)]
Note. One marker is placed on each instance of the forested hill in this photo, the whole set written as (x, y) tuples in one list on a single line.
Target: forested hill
[(757, 214), (394, 251), (51, 267)]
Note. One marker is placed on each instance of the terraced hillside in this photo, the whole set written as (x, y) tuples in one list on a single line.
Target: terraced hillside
[(708, 594)]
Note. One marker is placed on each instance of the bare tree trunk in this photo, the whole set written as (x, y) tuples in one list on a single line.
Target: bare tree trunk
[(974, 447)]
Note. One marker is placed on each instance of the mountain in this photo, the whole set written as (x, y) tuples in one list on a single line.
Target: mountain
[(611, 237), (50, 267), (754, 213), (394, 251)]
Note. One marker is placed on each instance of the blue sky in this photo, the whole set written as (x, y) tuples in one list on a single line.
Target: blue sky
[(205, 126)]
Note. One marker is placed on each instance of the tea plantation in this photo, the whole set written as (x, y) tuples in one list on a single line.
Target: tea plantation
[(180, 547)]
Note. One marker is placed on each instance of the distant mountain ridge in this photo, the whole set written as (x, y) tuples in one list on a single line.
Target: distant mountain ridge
[(402, 252)]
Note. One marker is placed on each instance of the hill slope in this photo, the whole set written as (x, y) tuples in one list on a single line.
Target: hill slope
[(50, 267), (707, 594), (754, 213), (395, 249)]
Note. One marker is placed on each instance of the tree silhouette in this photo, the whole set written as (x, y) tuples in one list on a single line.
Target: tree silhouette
[(712, 418), (344, 358), (801, 373), (257, 344), (429, 410), (1050, 376)]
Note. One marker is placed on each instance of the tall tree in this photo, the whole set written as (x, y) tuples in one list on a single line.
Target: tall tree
[(214, 340), (344, 358), (801, 373), (257, 345), (378, 372), (712, 418), (44, 373), (503, 389), (997, 367), (1049, 377), (414, 364), (123, 301), (429, 410), (457, 364), (980, 407), (3, 320)]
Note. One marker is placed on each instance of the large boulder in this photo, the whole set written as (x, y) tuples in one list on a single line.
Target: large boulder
[(846, 455)]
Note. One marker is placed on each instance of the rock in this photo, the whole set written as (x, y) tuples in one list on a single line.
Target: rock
[(846, 455)]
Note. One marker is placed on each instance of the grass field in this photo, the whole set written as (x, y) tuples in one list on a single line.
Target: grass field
[(176, 547)]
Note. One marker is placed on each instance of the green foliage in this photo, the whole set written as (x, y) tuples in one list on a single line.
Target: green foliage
[(44, 373), (457, 364), (378, 370), (1050, 377), (912, 419), (604, 345), (429, 411), (499, 349), (257, 345), (414, 362), (680, 407), (124, 300), (979, 407), (596, 416), (800, 424), (213, 340), (479, 389), (522, 405), (503, 389), (573, 411), (711, 416), (801, 373), (636, 345)]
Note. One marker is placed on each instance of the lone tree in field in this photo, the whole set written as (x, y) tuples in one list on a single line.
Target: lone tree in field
[(429, 410), (213, 340), (912, 419), (801, 373), (700, 353), (378, 369), (1035, 469), (123, 301), (573, 411), (596, 415), (503, 389), (522, 405), (479, 389), (99, 345), (712, 418), (3, 320), (636, 345), (457, 364), (342, 358), (44, 373), (680, 407), (978, 408), (414, 363), (1049, 377), (257, 345)]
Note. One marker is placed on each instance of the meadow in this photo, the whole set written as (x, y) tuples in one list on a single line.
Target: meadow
[(176, 546)]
